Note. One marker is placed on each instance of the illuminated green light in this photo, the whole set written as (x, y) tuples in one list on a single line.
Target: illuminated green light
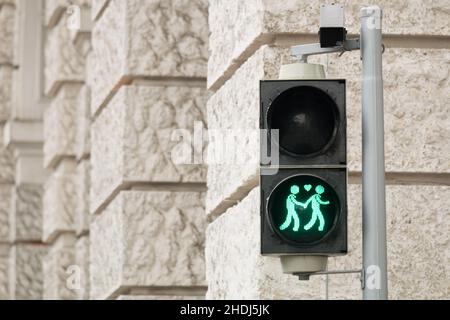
[(314, 200), (291, 202), (303, 215)]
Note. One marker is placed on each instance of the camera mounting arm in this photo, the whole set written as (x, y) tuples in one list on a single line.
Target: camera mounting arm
[(301, 52)]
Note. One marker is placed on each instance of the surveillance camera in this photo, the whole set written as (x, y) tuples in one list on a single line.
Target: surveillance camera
[(332, 32)]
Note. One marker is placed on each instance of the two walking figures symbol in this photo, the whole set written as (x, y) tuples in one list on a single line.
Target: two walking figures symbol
[(315, 201)]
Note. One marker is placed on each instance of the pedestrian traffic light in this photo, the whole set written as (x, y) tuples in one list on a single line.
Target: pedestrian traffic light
[(303, 192)]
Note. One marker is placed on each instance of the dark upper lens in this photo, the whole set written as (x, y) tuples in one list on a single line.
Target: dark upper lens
[(306, 118)]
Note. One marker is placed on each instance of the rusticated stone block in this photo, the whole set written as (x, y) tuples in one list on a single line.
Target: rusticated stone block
[(82, 258), (55, 9), (417, 121), (5, 2), (89, 77), (6, 193), (97, 8), (82, 177), (234, 112), (416, 124), (26, 274), (6, 76), (418, 242), (4, 272), (81, 37), (134, 138), (171, 42), (235, 268), (145, 239), (6, 162), (60, 125), (83, 132), (417, 239), (238, 26), (27, 215), (7, 15), (59, 201), (60, 281), (63, 63)]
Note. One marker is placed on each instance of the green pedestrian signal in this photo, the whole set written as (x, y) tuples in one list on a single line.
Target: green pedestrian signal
[(316, 201), (303, 214), (291, 202), (316, 213)]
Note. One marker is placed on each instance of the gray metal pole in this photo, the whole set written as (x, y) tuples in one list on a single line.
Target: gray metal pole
[(374, 202)]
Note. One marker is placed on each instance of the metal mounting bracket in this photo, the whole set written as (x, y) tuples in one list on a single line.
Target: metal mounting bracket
[(305, 276), (301, 52)]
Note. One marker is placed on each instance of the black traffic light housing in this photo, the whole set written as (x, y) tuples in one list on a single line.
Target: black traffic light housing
[(333, 243), (326, 99), (310, 116)]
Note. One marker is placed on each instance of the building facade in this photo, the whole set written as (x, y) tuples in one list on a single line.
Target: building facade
[(99, 97)]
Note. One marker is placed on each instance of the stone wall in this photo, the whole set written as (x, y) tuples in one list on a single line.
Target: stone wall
[(114, 100), (148, 77), (249, 40), (140, 77), (7, 10), (21, 169), (66, 151), (95, 97)]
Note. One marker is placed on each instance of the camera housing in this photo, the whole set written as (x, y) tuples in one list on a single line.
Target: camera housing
[(332, 32)]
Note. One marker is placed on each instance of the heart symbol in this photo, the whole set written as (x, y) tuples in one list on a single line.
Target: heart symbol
[(308, 187)]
